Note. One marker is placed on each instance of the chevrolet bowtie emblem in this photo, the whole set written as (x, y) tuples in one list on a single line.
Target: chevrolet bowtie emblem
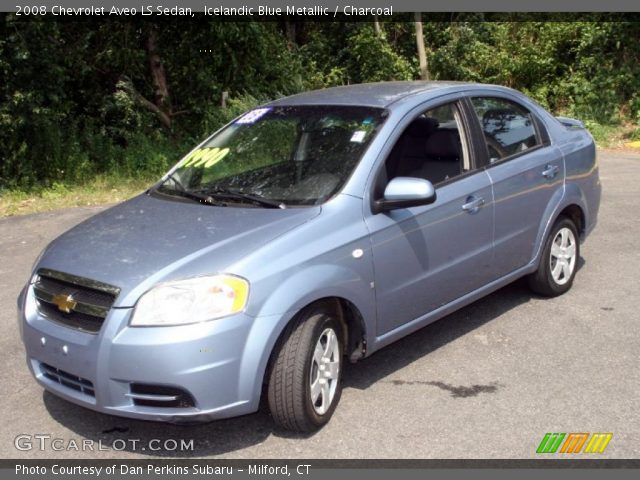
[(64, 302)]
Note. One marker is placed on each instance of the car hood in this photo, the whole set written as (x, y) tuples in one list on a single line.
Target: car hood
[(147, 240)]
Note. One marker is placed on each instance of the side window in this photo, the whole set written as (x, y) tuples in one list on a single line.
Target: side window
[(432, 147), (508, 127)]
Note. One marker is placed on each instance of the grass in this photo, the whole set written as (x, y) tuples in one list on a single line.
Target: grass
[(101, 190), (105, 189), (613, 136)]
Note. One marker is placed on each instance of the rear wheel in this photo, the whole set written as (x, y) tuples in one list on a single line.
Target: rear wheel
[(559, 261), (304, 382)]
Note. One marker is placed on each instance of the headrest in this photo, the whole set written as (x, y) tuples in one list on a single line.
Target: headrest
[(422, 127), (443, 143)]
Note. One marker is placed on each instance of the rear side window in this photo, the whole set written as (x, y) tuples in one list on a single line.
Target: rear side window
[(508, 127)]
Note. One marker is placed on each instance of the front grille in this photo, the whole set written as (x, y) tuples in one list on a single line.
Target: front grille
[(160, 396), (73, 301), (81, 293), (63, 378), (79, 321)]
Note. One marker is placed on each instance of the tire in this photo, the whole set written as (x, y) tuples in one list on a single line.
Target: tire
[(298, 367), (559, 260)]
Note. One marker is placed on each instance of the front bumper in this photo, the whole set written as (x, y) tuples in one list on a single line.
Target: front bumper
[(220, 363)]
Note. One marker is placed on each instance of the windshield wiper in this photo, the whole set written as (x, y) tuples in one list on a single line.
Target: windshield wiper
[(183, 192), (199, 197), (176, 181), (247, 197)]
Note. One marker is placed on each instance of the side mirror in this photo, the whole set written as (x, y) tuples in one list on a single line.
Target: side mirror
[(405, 192)]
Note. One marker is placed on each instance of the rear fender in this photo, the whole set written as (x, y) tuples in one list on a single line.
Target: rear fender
[(569, 195)]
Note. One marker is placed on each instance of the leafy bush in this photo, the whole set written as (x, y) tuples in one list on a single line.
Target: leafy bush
[(70, 91), (370, 58)]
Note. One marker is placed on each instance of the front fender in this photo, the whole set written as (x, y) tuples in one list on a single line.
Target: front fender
[(321, 281), (309, 285)]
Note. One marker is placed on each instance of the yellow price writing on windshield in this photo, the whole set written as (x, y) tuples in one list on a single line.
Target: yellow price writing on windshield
[(204, 157)]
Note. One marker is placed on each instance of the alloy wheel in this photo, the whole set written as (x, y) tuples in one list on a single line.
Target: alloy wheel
[(325, 371), (563, 256)]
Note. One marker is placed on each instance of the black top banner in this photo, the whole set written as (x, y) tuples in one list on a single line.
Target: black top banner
[(310, 7)]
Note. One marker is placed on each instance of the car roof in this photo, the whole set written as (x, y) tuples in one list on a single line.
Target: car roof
[(381, 94)]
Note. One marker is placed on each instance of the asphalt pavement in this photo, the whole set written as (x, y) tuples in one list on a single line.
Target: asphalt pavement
[(485, 382)]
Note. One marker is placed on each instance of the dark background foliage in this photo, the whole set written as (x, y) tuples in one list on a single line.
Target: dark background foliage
[(90, 96)]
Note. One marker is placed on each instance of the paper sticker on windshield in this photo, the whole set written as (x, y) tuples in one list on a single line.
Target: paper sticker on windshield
[(358, 136), (204, 157), (252, 116)]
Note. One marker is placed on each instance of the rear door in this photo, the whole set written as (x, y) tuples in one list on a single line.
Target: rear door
[(525, 172)]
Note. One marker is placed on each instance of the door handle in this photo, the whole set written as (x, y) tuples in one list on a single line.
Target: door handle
[(550, 171), (473, 204)]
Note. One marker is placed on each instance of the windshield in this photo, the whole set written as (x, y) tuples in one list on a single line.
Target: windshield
[(283, 156)]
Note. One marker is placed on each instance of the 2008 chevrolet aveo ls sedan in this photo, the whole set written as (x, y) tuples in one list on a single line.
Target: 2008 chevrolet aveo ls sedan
[(313, 230)]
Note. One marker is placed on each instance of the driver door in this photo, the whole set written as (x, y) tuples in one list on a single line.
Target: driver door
[(428, 256)]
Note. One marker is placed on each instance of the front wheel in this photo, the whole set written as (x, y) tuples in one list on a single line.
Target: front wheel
[(559, 261), (304, 382)]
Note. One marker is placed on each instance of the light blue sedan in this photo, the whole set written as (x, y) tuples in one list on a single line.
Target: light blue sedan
[(315, 229)]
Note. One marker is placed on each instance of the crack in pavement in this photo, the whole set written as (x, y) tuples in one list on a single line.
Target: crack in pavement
[(459, 391)]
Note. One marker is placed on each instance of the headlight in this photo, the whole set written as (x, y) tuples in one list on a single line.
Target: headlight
[(192, 300)]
